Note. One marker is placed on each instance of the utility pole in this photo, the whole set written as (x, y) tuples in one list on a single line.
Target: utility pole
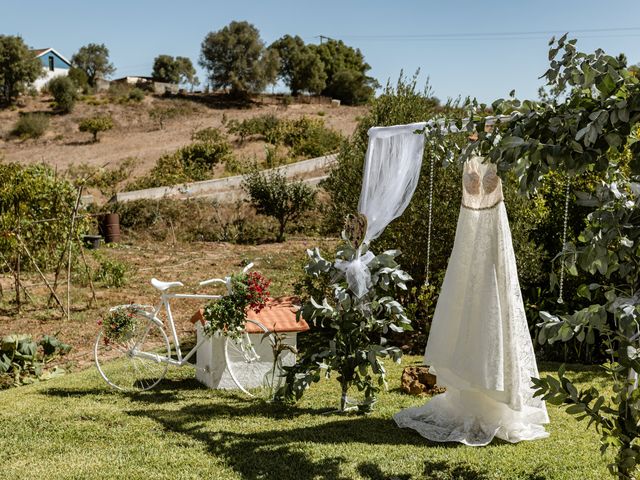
[(322, 37)]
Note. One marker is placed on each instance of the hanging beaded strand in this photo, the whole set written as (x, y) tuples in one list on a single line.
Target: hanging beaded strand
[(431, 159), (564, 239)]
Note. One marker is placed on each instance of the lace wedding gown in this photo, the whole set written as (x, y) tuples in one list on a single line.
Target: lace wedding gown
[(479, 345)]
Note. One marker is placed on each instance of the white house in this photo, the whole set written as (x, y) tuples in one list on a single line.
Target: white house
[(53, 65)]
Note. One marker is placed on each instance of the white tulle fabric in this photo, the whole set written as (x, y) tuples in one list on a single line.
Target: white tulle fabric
[(391, 173), (479, 344)]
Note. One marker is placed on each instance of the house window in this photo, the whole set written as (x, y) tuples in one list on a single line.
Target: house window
[(51, 63)]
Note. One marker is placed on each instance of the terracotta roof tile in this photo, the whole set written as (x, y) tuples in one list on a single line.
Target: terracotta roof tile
[(279, 315)]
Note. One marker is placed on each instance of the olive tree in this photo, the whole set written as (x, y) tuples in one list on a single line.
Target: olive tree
[(346, 72), (173, 70), (273, 195), (19, 67), (95, 125), (165, 69), (93, 60), (300, 66), (237, 59)]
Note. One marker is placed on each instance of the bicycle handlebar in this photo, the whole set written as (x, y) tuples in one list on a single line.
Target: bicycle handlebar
[(226, 279), (213, 280), (246, 269)]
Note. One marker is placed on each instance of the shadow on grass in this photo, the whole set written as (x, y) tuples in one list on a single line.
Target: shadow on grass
[(168, 390), (276, 453), (456, 470)]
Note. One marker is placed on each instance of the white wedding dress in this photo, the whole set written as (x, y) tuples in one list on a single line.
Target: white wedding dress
[(479, 345)]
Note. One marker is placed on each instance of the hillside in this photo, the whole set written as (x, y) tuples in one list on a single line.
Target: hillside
[(136, 135)]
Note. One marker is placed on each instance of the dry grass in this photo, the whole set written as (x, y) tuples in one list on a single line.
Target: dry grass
[(187, 262), (137, 135)]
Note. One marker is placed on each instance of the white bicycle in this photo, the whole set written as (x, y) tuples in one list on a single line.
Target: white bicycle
[(140, 361)]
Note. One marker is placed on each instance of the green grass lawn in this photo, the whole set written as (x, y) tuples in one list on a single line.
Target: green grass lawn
[(74, 427)]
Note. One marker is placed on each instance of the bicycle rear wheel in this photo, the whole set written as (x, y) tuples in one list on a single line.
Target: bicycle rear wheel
[(136, 363), (250, 361)]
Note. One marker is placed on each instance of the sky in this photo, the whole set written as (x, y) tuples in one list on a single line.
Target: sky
[(482, 49)]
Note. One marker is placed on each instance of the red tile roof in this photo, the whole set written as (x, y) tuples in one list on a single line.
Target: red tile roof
[(279, 316)]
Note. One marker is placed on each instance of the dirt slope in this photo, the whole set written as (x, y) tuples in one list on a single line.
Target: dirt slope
[(137, 135)]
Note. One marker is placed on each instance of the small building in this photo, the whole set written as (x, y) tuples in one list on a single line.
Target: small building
[(53, 65), (149, 83), (133, 80)]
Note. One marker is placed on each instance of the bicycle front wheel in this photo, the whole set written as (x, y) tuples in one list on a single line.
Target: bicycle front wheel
[(250, 361), (135, 363)]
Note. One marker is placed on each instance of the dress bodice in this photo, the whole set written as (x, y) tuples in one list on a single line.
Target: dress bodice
[(481, 185)]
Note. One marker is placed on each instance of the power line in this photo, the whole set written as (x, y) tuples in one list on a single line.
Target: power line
[(613, 32)]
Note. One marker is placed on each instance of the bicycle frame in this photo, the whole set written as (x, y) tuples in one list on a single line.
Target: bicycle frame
[(165, 299)]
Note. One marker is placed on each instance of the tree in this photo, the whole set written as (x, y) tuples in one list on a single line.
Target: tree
[(64, 92), (300, 66), (93, 60), (165, 69), (592, 126), (346, 72), (186, 71), (78, 77), (236, 58), (351, 87), (95, 125), (19, 67), (174, 70), (272, 195)]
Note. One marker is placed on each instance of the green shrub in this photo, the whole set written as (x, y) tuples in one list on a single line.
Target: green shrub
[(95, 125), (118, 92), (93, 100), (309, 138), (111, 272), (107, 180), (238, 166), (64, 92), (260, 125), (136, 95), (190, 163), (31, 125), (29, 194), (162, 113), (304, 137), (209, 134), (208, 221)]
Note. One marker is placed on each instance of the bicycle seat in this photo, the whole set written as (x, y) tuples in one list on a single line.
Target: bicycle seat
[(162, 286)]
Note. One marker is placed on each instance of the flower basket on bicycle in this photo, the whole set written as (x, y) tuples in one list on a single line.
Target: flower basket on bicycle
[(245, 291)]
